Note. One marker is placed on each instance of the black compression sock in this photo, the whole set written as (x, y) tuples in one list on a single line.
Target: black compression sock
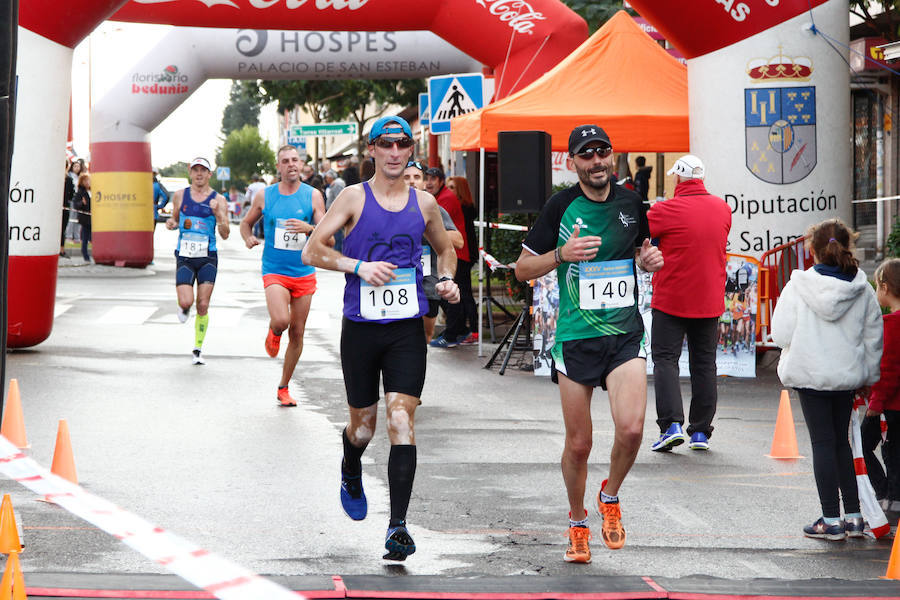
[(352, 464), (401, 473)]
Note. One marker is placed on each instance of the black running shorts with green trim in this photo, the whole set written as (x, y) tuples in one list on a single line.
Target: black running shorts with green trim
[(589, 361), (394, 351)]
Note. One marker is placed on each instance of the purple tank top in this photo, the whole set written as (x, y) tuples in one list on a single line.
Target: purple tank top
[(394, 237)]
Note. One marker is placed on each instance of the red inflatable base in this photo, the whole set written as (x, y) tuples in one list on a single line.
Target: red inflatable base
[(32, 293), (123, 248)]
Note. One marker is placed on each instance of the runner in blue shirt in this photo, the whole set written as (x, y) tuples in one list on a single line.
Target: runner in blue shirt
[(197, 212), (289, 210)]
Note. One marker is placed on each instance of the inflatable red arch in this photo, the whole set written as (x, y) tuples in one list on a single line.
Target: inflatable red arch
[(518, 39)]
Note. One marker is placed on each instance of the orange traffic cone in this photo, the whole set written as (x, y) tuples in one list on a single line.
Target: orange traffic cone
[(63, 461), (893, 570), (784, 442), (13, 427), (12, 585), (9, 533)]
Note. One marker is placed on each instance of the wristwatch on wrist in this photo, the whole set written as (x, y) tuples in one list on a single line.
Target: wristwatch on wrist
[(445, 278)]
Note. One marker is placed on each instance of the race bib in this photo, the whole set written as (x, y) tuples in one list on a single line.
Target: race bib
[(426, 260), (608, 284), (396, 299), (288, 240), (193, 245)]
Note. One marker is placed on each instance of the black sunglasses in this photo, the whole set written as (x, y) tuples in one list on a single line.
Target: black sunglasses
[(588, 153), (402, 143)]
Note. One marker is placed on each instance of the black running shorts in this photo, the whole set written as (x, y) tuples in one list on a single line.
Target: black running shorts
[(591, 360), (395, 350)]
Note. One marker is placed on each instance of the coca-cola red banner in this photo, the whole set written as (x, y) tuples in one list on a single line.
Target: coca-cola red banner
[(697, 28), (534, 34)]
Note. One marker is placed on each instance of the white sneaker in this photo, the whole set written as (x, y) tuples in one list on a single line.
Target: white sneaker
[(198, 358), (183, 314)]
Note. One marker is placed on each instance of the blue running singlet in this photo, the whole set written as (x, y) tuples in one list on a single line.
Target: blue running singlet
[(196, 227), (281, 253)]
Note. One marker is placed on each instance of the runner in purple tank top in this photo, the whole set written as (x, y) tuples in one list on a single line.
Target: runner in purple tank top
[(382, 337)]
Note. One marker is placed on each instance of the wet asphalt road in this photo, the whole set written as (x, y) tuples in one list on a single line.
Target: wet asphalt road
[(206, 453)]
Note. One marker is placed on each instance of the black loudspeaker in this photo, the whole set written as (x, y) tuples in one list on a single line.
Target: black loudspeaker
[(524, 170)]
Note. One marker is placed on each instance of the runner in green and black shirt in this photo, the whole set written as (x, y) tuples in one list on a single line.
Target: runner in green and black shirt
[(595, 234)]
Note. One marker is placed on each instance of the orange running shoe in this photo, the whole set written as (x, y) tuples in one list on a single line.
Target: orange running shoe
[(284, 397), (579, 551), (273, 342), (612, 531)]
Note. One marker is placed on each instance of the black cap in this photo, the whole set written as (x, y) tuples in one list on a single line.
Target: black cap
[(584, 134), (435, 172)]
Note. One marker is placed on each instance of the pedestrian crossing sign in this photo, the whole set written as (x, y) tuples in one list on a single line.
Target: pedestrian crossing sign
[(424, 113), (453, 95), (223, 173)]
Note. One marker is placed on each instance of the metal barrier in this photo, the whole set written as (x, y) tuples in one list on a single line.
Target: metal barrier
[(775, 267)]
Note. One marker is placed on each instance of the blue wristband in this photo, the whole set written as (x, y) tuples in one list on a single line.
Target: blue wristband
[(356, 268)]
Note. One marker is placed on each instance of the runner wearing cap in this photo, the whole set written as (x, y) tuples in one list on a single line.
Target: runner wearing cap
[(688, 298), (289, 210), (197, 211), (382, 336), (594, 234)]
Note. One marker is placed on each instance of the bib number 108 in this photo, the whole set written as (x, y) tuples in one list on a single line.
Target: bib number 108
[(386, 296)]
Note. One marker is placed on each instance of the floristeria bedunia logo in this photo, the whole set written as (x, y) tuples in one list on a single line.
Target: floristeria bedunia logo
[(169, 81)]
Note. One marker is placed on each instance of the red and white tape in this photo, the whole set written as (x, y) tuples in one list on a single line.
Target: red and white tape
[(218, 576), (492, 262), (506, 226)]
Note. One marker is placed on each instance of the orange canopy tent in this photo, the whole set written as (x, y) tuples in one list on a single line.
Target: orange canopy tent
[(619, 79)]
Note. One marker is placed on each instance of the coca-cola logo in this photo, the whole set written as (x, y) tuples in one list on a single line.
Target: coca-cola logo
[(291, 4), (518, 14)]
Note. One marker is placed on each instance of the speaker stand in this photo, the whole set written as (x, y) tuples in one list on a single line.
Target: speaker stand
[(491, 300), (511, 339)]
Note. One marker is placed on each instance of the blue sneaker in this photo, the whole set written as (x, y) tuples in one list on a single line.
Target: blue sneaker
[(353, 498), (699, 441), (398, 543), (820, 529), (442, 342), (673, 436)]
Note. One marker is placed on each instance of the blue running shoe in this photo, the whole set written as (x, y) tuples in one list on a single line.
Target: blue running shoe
[(820, 529), (353, 498), (673, 436), (398, 543), (442, 342), (699, 441)]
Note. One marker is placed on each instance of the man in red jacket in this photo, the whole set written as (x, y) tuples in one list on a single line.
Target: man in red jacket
[(688, 298)]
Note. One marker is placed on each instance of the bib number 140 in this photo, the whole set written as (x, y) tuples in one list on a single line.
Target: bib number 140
[(604, 285), (397, 299)]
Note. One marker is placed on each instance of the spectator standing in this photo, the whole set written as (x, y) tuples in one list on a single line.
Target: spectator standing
[(351, 173), (256, 185), (82, 204), (885, 398), (160, 197), (76, 169), (642, 178), (456, 321), (68, 195), (460, 187), (334, 185), (828, 324), (688, 298)]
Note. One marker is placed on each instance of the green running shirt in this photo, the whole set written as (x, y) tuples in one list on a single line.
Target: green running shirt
[(621, 222)]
